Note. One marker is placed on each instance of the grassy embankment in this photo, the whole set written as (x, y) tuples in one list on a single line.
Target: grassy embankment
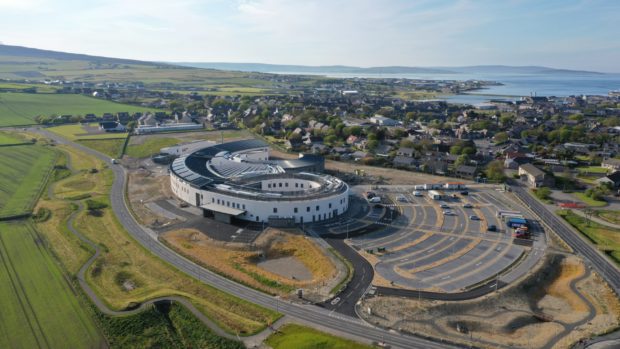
[(126, 273), (605, 239), (241, 264), (11, 139), (22, 108), (608, 215), (589, 201), (300, 337), (590, 174)]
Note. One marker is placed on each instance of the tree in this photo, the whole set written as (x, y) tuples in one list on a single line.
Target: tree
[(501, 137), (495, 171), (372, 144), (461, 160)]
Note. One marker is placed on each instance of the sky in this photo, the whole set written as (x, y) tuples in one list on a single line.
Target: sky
[(571, 34)]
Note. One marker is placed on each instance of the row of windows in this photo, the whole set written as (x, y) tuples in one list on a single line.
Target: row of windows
[(229, 204), (279, 185)]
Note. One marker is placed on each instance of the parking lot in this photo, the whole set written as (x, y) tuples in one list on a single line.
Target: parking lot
[(447, 249)]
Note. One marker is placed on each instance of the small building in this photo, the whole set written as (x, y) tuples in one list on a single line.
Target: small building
[(611, 164), (383, 121), (534, 176), (403, 161), (612, 179), (112, 126), (403, 151), (465, 171)]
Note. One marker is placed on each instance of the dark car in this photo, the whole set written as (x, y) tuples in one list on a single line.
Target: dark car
[(492, 228), (464, 192)]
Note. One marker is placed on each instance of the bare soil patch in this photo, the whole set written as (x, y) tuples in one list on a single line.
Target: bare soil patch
[(309, 265), (548, 309)]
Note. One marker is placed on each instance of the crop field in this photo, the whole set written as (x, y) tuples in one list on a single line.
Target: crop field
[(39, 309), (300, 337), (23, 170), (22, 108)]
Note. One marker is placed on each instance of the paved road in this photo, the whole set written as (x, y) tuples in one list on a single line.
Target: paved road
[(310, 313), (593, 257)]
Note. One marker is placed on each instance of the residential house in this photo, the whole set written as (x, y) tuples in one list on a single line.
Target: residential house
[(611, 164), (383, 121), (534, 176), (111, 126), (404, 161), (403, 151), (465, 171), (613, 179)]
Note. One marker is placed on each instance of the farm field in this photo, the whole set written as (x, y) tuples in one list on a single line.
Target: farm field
[(39, 309), (606, 239), (300, 337), (22, 108), (112, 147), (84, 131), (23, 170)]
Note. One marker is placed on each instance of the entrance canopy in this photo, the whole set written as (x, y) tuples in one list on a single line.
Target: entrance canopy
[(222, 209)]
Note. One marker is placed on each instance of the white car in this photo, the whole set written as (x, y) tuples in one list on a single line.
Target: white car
[(417, 193), (468, 205), (375, 200), (474, 218), (448, 213)]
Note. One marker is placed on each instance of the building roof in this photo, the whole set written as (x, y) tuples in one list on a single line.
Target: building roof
[(532, 170)]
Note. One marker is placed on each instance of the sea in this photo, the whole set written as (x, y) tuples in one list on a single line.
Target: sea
[(514, 86)]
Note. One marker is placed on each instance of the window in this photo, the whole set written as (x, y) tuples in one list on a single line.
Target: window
[(213, 200), (244, 206), (218, 201), (296, 185), (295, 210), (330, 205), (302, 185), (275, 210), (268, 185), (286, 184), (317, 207), (280, 185), (308, 209)]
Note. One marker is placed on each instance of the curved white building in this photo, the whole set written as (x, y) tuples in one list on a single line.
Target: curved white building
[(237, 179)]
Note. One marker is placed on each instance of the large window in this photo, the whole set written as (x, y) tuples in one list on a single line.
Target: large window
[(275, 210)]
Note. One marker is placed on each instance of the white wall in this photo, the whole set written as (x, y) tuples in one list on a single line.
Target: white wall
[(261, 210)]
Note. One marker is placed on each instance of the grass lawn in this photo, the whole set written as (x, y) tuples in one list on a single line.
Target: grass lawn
[(592, 169), (23, 170), (124, 257), (112, 147), (79, 131), (22, 108), (589, 201), (39, 309), (609, 215), (150, 146), (606, 239), (300, 337)]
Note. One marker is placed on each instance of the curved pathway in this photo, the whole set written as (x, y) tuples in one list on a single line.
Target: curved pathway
[(101, 305), (345, 325)]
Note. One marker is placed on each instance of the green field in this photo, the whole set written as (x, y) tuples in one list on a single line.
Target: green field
[(22, 108), (609, 215), (592, 169), (23, 170), (7, 138), (150, 146), (300, 337), (39, 309), (606, 239), (84, 131)]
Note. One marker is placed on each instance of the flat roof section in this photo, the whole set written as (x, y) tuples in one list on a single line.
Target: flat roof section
[(222, 209)]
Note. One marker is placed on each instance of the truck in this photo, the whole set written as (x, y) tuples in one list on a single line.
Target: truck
[(454, 186), (517, 222), (434, 195), (522, 233)]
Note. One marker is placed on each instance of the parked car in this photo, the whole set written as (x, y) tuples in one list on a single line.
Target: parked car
[(474, 218), (448, 213), (468, 205), (417, 193), (444, 205), (492, 228), (464, 192), (375, 200)]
